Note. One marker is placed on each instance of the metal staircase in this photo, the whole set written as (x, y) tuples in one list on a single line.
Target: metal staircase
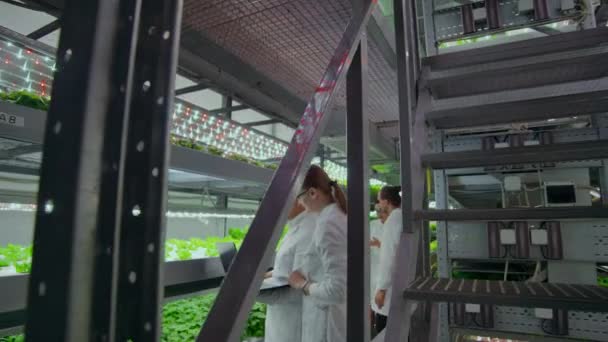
[(539, 79), (510, 293)]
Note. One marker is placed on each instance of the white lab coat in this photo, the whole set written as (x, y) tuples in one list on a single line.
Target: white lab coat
[(284, 306), (375, 231), (393, 226), (324, 310)]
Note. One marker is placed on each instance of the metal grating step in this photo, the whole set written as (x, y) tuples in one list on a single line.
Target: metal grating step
[(520, 111), (509, 293), (533, 66), (526, 48), (587, 150), (553, 213)]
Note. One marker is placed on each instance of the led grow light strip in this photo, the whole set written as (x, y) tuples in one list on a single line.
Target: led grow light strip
[(189, 122), (339, 173), (20, 207)]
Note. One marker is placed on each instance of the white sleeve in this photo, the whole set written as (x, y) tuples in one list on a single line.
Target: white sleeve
[(331, 246), (388, 250)]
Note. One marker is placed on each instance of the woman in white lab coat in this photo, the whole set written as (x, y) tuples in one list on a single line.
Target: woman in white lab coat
[(322, 278), (390, 201), (284, 306), (375, 235)]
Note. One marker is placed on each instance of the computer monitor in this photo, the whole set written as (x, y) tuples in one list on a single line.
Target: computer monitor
[(559, 194)]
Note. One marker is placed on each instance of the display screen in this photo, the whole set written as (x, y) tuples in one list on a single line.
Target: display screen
[(561, 194)]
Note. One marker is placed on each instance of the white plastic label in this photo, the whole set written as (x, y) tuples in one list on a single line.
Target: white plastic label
[(539, 237), (507, 236), (13, 120), (543, 313), (472, 308)]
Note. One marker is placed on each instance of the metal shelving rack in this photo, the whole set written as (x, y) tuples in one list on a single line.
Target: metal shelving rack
[(534, 80), (478, 93), (229, 178), (182, 159), (130, 284)]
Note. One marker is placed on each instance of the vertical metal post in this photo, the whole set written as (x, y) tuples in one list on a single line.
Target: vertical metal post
[(468, 23), (145, 180), (227, 103), (233, 303), (323, 154), (423, 268), (541, 10), (600, 121), (357, 134), (493, 14), (428, 10), (61, 292), (413, 46), (107, 244), (222, 202), (443, 261), (412, 138)]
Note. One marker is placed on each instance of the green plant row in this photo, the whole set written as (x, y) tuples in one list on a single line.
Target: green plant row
[(17, 256), (27, 99), (192, 144), (33, 100), (182, 320), (20, 256)]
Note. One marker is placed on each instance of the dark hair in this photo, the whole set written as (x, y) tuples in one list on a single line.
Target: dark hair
[(391, 194), (317, 178)]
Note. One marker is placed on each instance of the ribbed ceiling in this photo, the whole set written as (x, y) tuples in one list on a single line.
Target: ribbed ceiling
[(289, 42)]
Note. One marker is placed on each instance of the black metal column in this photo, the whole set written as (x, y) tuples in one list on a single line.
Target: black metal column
[(493, 14), (61, 295), (227, 103), (357, 134), (468, 22), (541, 10), (236, 296), (107, 245), (412, 137), (413, 48), (145, 180)]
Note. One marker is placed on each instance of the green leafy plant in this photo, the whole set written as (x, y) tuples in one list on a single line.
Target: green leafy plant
[(17, 256), (602, 281), (215, 151), (14, 338), (241, 158), (183, 319), (256, 322), (27, 99)]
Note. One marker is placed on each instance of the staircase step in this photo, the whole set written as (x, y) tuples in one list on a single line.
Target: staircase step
[(527, 110), (509, 293), (509, 214), (525, 48), (586, 150), (535, 62)]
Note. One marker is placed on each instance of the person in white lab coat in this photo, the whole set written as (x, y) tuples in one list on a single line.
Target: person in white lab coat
[(390, 201), (322, 278), (284, 307), (375, 234)]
